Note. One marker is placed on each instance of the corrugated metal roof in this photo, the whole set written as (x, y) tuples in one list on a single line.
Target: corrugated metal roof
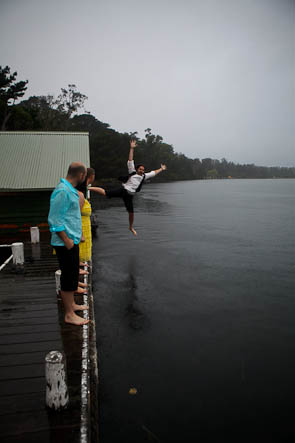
[(37, 160)]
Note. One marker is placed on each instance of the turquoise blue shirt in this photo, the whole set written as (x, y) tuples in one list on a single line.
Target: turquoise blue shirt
[(64, 213)]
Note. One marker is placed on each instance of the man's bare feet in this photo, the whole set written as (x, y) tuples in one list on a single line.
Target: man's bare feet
[(81, 291), (82, 285), (79, 307), (133, 231), (82, 272), (75, 319)]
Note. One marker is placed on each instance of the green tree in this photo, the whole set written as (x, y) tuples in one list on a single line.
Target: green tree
[(10, 92), (43, 112), (70, 101), (212, 173)]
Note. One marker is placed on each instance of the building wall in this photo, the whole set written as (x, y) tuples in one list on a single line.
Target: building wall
[(21, 210)]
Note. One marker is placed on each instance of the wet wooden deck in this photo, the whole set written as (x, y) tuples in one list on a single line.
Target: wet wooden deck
[(32, 325)]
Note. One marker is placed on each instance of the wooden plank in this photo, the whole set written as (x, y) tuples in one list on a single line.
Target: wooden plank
[(6, 302), (27, 314), (48, 285), (22, 359), (13, 404), (22, 423), (45, 346), (22, 372), (28, 308), (37, 384), (33, 437), (10, 322), (34, 337), (28, 329)]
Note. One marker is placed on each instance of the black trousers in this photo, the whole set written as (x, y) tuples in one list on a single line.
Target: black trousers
[(123, 194), (69, 265)]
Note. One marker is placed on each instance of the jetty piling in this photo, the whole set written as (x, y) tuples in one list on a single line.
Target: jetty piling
[(57, 281), (35, 234), (57, 394), (18, 253)]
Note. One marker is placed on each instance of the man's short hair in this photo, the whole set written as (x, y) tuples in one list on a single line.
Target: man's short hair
[(138, 166), (76, 169)]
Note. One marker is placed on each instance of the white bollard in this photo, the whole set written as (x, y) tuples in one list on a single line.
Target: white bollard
[(57, 281), (57, 396), (18, 253), (88, 193), (35, 235)]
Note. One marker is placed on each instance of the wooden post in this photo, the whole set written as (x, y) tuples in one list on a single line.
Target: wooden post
[(35, 235), (18, 253), (57, 281), (57, 396)]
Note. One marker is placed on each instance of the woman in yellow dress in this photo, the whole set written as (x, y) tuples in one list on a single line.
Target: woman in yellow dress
[(85, 246)]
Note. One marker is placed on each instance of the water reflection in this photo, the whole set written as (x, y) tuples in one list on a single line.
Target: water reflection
[(134, 312), (36, 251)]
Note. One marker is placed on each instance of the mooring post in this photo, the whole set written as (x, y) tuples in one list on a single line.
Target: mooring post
[(57, 281), (57, 396), (18, 253), (35, 234)]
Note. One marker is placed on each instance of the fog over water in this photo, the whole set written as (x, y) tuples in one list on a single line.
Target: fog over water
[(215, 79)]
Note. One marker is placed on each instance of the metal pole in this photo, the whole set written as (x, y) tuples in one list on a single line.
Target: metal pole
[(6, 262), (57, 396), (18, 253)]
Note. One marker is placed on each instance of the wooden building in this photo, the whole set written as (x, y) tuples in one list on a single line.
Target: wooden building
[(31, 165)]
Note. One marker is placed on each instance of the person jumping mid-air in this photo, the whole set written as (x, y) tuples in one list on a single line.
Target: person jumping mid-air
[(132, 185)]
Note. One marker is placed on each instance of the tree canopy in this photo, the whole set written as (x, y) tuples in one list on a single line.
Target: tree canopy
[(10, 92), (108, 147)]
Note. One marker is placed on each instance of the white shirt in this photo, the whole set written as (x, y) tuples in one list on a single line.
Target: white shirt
[(134, 180)]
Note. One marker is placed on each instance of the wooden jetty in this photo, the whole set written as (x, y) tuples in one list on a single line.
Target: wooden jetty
[(31, 326)]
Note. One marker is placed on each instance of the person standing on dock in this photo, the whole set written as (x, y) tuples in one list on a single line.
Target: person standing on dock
[(132, 184), (64, 220), (85, 247)]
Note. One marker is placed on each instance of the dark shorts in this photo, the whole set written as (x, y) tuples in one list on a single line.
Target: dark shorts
[(123, 194), (69, 265)]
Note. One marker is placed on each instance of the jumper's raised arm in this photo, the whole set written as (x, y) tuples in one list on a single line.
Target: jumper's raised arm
[(131, 152), (162, 168)]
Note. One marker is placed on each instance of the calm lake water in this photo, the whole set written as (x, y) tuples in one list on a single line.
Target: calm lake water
[(197, 313)]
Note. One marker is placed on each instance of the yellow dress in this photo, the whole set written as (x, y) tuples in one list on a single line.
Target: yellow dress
[(86, 246)]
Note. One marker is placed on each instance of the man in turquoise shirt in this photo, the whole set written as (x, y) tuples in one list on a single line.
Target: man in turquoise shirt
[(64, 221)]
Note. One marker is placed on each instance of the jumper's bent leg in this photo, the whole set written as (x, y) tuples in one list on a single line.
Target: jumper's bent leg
[(131, 219), (69, 303)]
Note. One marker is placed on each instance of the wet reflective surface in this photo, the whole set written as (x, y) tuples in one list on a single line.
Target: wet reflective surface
[(197, 313)]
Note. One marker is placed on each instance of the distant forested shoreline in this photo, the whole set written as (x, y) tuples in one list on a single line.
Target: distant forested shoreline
[(108, 147)]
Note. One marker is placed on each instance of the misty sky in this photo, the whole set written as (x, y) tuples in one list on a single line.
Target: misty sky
[(215, 78)]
